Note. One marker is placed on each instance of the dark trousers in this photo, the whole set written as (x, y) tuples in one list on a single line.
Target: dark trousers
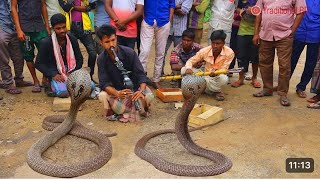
[(125, 41), (233, 44), (86, 39), (139, 21), (310, 63), (266, 59), (247, 52)]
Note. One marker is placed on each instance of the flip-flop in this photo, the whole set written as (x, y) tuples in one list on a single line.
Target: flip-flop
[(24, 84), (284, 101), (13, 90), (315, 105), (256, 84), (301, 93), (36, 89), (219, 96), (236, 84), (314, 99), (262, 94)]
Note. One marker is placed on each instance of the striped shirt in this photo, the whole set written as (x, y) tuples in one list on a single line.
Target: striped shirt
[(180, 22), (179, 56)]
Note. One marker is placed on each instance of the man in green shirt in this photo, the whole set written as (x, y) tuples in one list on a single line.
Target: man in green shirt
[(247, 51)]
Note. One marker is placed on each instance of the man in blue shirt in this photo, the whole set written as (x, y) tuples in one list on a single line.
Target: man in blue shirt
[(10, 48), (157, 17), (308, 33)]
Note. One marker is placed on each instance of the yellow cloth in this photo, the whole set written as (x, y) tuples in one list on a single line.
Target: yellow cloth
[(85, 17)]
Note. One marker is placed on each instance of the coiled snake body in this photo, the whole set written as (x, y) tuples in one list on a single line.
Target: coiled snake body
[(192, 87), (78, 85)]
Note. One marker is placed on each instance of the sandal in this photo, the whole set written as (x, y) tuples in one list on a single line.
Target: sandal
[(36, 89), (24, 84), (301, 93), (219, 96), (314, 99), (236, 84), (256, 84), (315, 105), (13, 90), (113, 117), (284, 101), (262, 94)]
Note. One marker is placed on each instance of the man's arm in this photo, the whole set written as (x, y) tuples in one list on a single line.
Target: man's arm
[(41, 62), (66, 5), (184, 8), (172, 7), (296, 22), (256, 37), (109, 10), (174, 61), (192, 61), (14, 13), (45, 15), (201, 8), (133, 16)]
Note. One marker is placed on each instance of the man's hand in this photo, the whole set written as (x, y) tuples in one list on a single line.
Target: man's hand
[(136, 95), (256, 39), (21, 36), (124, 93), (121, 25), (212, 74), (198, 64), (59, 78), (189, 71), (194, 5)]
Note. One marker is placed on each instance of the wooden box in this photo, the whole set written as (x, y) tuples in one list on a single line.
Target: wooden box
[(204, 114), (169, 94)]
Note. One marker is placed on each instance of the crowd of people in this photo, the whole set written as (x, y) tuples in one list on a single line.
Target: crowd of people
[(240, 32)]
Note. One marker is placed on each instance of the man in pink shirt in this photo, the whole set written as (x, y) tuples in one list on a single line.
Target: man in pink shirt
[(276, 22)]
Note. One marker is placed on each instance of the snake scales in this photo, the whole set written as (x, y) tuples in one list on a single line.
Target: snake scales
[(192, 87), (78, 85)]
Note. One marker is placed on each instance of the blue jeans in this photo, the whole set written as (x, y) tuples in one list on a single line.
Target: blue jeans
[(125, 41), (310, 64)]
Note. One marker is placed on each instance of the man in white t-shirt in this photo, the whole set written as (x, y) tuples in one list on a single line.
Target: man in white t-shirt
[(53, 7), (123, 14)]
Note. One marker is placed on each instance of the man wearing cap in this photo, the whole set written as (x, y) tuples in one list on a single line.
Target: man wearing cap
[(59, 54)]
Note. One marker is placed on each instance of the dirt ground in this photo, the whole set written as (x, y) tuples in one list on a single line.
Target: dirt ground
[(258, 136)]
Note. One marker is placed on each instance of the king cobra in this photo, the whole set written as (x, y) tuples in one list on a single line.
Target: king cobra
[(192, 87), (78, 85)]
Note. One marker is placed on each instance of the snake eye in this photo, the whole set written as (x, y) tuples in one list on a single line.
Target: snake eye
[(81, 88), (73, 85)]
